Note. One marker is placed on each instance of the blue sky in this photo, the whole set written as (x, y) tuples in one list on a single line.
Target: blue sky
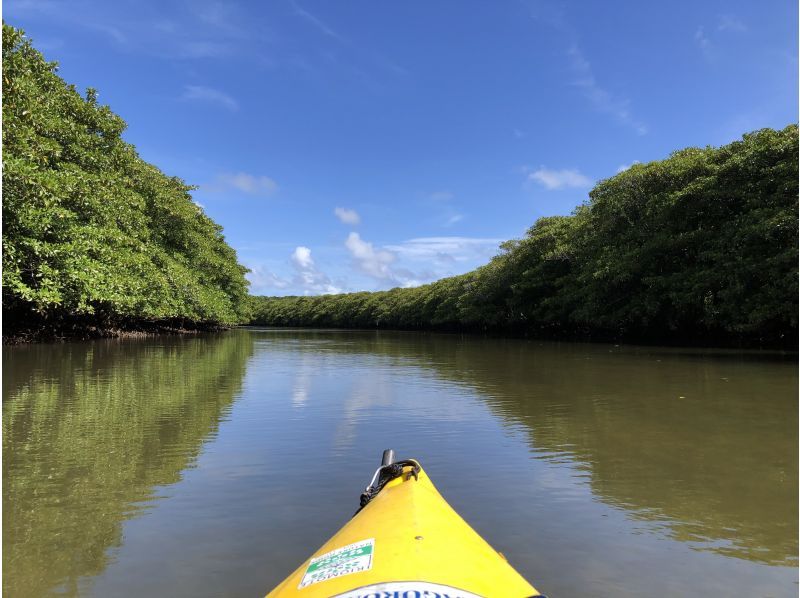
[(359, 145)]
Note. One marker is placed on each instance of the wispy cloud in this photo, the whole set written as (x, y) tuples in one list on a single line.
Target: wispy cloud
[(354, 62), (560, 179), (111, 31), (64, 12), (731, 23), (708, 43), (318, 23), (199, 93), (243, 182), (416, 261), (519, 134), (215, 13), (347, 216), (601, 99), (453, 219), (206, 29), (446, 250), (703, 42), (448, 213), (441, 195)]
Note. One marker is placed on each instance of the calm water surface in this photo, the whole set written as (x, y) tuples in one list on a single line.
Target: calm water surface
[(213, 466)]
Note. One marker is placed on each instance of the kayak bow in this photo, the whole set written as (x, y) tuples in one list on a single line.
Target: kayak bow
[(405, 542)]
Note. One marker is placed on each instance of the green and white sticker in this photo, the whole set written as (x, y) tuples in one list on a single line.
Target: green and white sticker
[(352, 558), (407, 589)]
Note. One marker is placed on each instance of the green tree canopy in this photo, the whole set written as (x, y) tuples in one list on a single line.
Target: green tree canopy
[(90, 229), (701, 247)]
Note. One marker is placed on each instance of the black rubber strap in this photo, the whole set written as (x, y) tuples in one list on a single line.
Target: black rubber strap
[(386, 474)]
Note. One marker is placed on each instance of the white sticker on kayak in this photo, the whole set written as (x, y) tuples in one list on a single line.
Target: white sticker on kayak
[(407, 589), (342, 561)]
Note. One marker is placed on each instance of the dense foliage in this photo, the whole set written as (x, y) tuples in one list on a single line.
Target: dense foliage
[(700, 246), (90, 230)]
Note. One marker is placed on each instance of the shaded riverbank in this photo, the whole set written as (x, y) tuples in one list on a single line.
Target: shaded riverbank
[(92, 332), (22, 328)]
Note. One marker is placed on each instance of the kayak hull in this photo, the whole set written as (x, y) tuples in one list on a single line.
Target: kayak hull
[(407, 541)]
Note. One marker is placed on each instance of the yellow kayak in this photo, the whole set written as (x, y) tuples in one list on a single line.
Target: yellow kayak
[(405, 542)]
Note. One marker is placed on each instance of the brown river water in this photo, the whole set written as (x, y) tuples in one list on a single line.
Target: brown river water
[(214, 465)]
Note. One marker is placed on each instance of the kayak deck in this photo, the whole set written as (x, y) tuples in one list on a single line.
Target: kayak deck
[(406, 541)]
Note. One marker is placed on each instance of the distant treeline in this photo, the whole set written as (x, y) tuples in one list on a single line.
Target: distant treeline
[(94, 236), (700, 247)]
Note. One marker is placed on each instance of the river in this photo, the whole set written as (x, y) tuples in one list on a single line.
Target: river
[(214, 465)]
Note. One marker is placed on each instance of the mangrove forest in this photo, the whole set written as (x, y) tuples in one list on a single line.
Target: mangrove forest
[(700, 247), (94, 237)]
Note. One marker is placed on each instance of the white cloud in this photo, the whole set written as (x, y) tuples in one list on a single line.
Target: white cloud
[(301, 258), (308, 277), (200, 93), (408, 263), (519, 134), (347, 216), (264, 281), (600, 98), (560, 179), (624, 167), (434, 256), (304, 278), (375, 263), (245, 183)]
